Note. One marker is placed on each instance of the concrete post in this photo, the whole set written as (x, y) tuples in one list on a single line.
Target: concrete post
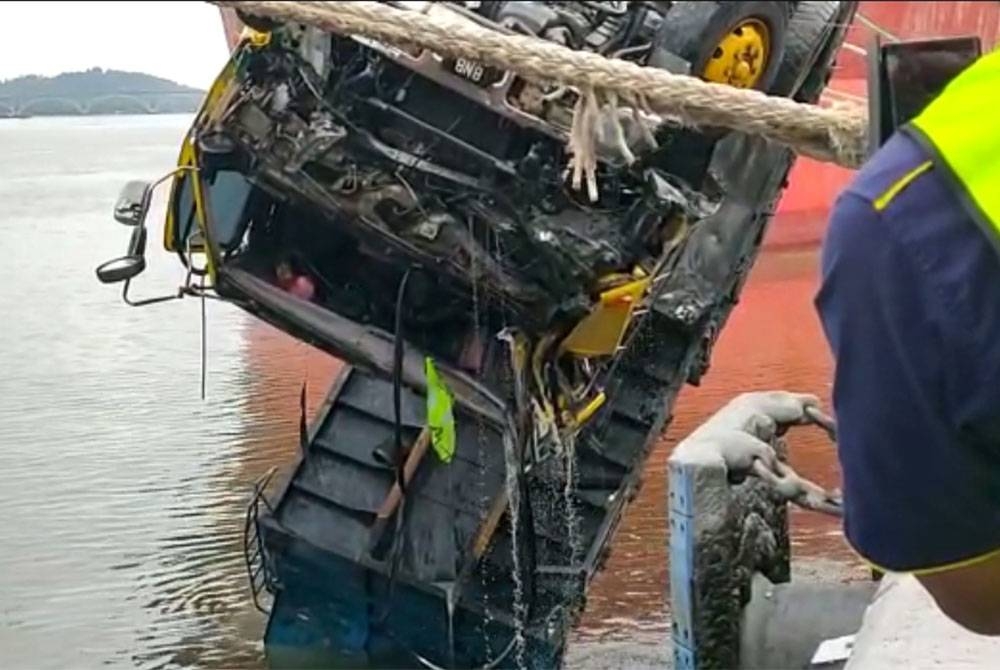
[(725, 526), (720, 535)]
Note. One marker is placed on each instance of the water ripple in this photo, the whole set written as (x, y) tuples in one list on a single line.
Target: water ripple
[(125, 491)]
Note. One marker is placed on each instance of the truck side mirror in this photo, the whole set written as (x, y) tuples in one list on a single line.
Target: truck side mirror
[(128, 266), (904, 77), (133, 203), (131, 209)]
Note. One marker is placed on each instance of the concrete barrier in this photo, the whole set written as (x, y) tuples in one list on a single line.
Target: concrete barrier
[(903, 628), (732, 602)]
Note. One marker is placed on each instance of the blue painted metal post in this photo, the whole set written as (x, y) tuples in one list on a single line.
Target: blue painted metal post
[(721, 533), (682, 567)]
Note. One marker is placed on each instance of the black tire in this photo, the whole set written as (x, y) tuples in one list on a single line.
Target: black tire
[(809, 29), (822, 69), (692, 30), (261, 24)]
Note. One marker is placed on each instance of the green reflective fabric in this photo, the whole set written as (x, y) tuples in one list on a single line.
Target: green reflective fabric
[(440, 417), (961, 128)]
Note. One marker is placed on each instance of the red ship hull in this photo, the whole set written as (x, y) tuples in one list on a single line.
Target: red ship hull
[(814, 186)]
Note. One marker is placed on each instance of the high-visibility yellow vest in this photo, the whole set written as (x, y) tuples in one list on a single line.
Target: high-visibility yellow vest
[(961, 130)]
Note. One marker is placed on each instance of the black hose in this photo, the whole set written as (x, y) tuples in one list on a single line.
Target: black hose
[(397, 385), (399, 460)]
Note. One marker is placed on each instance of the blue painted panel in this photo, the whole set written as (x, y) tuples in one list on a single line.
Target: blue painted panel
[(684, 658), (682, 488), (682, 542)]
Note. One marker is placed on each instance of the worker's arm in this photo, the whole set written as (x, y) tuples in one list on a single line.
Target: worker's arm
[(969, 595), (910, 303)]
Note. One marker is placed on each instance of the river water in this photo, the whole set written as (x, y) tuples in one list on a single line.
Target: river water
[(123, 491)]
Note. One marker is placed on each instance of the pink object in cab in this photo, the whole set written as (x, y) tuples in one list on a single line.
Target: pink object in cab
[(302, 287), (299, 285)]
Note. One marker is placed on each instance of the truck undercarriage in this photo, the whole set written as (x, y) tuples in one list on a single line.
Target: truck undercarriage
[(414, 216)]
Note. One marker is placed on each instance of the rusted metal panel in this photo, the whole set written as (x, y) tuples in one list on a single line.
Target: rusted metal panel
[(232, 25)]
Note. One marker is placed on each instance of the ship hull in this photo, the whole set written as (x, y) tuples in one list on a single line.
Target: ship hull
[(813, 186)]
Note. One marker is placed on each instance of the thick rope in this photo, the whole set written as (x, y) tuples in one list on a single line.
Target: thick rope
[(837, 134)]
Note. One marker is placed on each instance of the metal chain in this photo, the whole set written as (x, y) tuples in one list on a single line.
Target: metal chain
[(795, 488)]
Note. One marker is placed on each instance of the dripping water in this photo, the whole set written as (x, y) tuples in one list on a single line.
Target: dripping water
[(449, 589), (484, 500), (512, 463), (570, 507), (512, 471)]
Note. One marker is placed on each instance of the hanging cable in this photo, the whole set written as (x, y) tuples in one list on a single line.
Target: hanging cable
[(303, 425), (399, 460), (204, 339), (864, 20), (397, 385)]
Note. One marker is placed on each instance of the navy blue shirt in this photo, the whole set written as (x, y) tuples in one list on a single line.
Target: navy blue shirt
[(910, 303)]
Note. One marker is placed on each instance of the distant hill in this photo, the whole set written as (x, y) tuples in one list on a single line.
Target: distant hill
[(95, 91)]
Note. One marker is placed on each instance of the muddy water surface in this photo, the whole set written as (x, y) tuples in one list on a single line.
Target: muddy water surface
[(123, 492)]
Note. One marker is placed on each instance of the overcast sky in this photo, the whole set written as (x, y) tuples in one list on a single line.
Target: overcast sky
[(182, 41)]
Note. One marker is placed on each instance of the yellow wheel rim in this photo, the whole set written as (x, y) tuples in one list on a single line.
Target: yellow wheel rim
[(741, 56)]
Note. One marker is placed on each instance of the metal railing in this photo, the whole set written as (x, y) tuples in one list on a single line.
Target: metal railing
[(260, 577)]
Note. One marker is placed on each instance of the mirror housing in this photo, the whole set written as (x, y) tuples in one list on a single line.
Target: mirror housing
[(904, 77), (128, 266), (133, 203), (120, 269)]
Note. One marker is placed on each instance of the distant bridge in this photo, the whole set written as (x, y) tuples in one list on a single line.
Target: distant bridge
[(115, 103)]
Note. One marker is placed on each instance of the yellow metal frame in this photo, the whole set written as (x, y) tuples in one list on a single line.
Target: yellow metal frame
[(600, 333), (187, 164), (188, 160)]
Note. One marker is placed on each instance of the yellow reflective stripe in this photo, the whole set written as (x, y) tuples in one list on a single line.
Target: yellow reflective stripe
[(960, 125), (883, 200), (964, 563)]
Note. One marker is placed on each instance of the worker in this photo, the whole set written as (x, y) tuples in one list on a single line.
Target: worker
[(910, 304)]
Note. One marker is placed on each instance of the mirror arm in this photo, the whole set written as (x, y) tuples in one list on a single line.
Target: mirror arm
[(146, 301), (173, 173), (188, 290), (199, 292)]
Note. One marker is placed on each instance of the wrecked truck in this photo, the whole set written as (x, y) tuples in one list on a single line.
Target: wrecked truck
[(514, 344)]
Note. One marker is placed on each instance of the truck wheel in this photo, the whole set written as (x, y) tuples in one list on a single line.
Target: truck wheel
[(736, 43), (819, 75), (809, 29), (261, 24)]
